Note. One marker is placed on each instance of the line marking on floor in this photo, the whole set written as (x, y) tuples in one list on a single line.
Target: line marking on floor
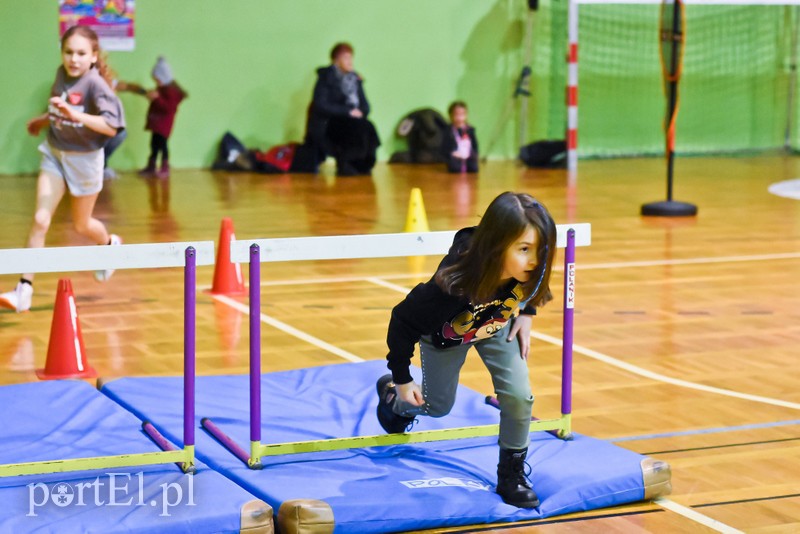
[(715, 430), (299, 334), (695, 516)]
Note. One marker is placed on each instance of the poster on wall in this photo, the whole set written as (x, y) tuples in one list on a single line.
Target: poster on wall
[(112, 20)]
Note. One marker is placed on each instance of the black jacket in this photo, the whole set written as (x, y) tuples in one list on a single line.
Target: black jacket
[(450, 320), (329, 101), (449, 145)]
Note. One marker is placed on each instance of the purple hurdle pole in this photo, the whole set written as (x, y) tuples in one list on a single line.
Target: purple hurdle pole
[(226, 440), (189, 326), (255, 347), (569, 322)]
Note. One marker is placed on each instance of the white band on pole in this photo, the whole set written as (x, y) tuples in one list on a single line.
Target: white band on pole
[(97, 257), (370, 245)]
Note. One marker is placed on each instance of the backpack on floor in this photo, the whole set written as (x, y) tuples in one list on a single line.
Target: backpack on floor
[(232, 155), (545, 154), (277, 159), (424, 130)]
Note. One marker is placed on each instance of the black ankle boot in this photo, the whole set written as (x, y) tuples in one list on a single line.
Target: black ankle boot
[(512, 485), (390, 421)]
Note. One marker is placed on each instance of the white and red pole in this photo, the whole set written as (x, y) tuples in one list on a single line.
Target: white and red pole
[(572, 87)]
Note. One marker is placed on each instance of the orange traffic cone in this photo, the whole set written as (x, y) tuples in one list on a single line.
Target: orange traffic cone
[(227, 275), (66, 354)]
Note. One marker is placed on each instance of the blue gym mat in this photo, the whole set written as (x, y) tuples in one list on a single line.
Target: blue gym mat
[(384, 489), (71, 419)]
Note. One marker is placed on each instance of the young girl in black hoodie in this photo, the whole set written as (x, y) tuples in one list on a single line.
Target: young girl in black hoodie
[(484, 294)]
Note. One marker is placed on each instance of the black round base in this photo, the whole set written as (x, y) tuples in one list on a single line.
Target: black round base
[(669, 208)]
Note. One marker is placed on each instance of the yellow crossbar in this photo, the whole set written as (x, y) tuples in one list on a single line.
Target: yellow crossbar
[(185, 456), (383, 440)]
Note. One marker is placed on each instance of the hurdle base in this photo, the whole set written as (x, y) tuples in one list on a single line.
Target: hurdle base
[(226, 441), (158, 438), (669, 208)]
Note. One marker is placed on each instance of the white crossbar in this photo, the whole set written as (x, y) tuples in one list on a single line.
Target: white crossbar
[(93, 258), (370, 245)]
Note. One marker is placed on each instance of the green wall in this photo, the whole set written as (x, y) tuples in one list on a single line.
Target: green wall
[(249, 67)]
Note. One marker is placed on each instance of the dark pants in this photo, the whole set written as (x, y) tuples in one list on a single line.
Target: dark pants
[(158, 144), (455, 164), (440, 370), (353, 142), (113, 144)]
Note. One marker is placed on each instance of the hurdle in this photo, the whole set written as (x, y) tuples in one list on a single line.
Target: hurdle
[(91, 258), (379, 246)]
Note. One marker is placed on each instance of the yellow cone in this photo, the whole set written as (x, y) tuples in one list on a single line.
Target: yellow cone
[(416, 221)]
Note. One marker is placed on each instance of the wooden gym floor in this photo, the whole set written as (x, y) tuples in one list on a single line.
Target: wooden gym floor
[(687, 331)]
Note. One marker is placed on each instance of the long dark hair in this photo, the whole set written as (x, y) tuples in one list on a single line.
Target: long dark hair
[(476, 275), (101, 63)]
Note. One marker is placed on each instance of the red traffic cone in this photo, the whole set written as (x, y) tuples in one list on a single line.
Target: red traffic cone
[(66, 354), (227, 275)]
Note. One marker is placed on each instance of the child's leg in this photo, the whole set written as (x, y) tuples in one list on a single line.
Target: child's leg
[(454, 164), (163, 172), (440, 370), (84, 223), (49, 192), (511, 384), (164, 149), (150, 168)]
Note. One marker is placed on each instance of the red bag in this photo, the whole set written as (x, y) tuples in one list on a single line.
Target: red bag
[(280, 156)]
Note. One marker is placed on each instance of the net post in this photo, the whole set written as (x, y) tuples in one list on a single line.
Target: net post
[(568, 328), (255, 352), (572, 87), (189, 349)]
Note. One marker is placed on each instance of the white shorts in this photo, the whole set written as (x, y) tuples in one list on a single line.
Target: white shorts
[(83, 171)]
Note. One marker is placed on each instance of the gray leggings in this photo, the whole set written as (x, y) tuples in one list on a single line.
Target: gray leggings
[(440, 370)]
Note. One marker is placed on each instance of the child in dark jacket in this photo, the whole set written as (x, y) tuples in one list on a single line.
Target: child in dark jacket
[(164, 101), (459, 144), (484, 294)]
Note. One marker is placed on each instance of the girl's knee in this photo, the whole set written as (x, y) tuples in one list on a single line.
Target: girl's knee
[(80, 226), (439, 410), (41, 221), (517, 406)]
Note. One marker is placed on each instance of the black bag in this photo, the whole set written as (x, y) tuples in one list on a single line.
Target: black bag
[(232, 155), (545, 154), (424, 129)]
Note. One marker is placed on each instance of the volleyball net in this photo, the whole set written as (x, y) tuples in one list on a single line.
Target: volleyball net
[(738, 84)]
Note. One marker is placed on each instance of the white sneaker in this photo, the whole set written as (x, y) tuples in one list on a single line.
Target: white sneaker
[(105, 274), (19, 299)]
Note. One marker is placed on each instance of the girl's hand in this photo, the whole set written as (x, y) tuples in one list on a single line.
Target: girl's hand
[(65, 109), (356, 113), (36, 124), (94, 122), (522, 329), (411, 393)]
